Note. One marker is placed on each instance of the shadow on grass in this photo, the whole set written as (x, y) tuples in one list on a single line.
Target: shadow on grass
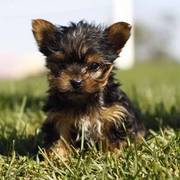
[(26, 145), (22, 145), (160, 117), (12, 139), (11, 102)]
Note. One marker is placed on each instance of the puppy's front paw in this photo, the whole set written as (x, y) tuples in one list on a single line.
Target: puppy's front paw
[(59, 150)]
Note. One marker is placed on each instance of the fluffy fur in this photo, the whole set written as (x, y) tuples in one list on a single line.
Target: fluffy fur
[(83, 95)]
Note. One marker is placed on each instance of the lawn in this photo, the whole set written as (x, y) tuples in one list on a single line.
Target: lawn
[(154, 88)]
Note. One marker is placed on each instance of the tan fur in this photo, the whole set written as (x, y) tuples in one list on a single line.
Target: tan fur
[(62, 82), (113, 113), (93, 58), (41, 29), (60, 148)]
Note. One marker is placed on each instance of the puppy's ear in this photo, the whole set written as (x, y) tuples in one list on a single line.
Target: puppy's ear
[(118, 34), (45, 34)]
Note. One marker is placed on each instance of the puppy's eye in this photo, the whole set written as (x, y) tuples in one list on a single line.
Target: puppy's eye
[(93, 66)]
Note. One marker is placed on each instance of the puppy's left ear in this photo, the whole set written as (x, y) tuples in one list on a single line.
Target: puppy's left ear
[(118, 34)]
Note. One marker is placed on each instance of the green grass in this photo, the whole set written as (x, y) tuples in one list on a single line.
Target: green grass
[(155, 88)]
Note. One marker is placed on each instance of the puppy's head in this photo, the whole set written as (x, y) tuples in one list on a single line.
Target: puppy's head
[(80, 57)]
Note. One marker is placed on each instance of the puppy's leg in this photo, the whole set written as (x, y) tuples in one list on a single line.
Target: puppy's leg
[(56, 136), (120, 123)]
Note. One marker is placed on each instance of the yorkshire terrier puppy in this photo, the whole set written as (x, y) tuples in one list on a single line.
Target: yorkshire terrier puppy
[(84, 100)]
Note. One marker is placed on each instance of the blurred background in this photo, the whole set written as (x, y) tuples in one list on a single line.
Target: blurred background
[(155, 37), (149, 73)]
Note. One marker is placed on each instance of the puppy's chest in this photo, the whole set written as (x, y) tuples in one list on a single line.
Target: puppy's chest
[(89, 127), (93, 126)]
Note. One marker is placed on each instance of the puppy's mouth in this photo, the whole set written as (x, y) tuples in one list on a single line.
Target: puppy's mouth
[(77, 95), (76, 92)]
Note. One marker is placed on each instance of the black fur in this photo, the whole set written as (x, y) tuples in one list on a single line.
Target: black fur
[(76, 41), (89, 35)]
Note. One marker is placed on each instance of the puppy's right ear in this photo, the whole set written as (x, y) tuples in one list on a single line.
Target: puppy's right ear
[(45, 34)]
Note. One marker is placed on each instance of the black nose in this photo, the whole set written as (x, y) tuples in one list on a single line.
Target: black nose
[(76, 84)]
